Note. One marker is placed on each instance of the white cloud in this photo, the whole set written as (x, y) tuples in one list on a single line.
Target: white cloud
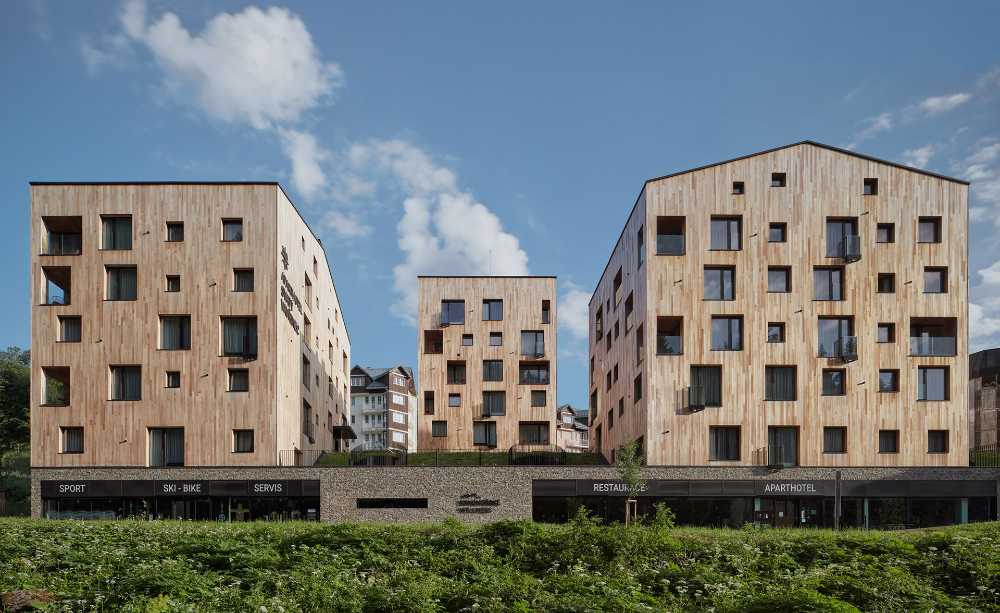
[(942, 104), (306, 155), (918, 157), (991, 275), (882, 122), (985, 154), (982, 324), (574, 311), (981, 169), (345, 224)]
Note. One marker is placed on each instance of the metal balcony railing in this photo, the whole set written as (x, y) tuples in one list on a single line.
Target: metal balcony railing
[(850, 249), (846, 348), (932, 345), (695, 398), (669, 244), (63, 244)]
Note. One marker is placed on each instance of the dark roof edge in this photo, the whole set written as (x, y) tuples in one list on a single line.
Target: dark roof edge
[(153, 183)]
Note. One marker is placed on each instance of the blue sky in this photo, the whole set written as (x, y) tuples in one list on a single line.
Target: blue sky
[(475, 138)]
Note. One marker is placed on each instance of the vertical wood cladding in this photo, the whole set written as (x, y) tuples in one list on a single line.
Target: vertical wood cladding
[(820, 183), (522, 310)]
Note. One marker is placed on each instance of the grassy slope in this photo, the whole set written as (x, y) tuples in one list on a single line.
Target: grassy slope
[(508, 566)]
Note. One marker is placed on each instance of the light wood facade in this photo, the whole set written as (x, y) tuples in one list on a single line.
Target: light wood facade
[(526, 389), (280, 250), (821, 184)]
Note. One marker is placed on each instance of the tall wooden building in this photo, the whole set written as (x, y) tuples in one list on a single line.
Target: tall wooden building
[(804, 305), (487, 362), (181, 324)]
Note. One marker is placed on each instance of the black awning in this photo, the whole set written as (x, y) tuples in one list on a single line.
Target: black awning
[(344, 432)]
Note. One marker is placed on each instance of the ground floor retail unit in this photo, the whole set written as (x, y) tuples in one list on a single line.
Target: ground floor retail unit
[(883, 504)]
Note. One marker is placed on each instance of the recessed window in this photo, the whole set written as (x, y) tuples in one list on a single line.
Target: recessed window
[(232, 230), (888, 381), (932, 383), (739, 188), (126, 383), (69, 328), (929, 230), (725, 234), (779, 383), (611, 419), (706, 386), (239, 380), (886, 283), (885, 233), (669, 235), (886, 333), (828, 283), (467, 340), (175, 332), (640, 249), (834, 439), (533, 343), (239, 336), (56, 390), (492, 370), (72, 439), (727, 333), (637, 388), (937, 441), (454, 400), (121, 283), (888, 441), (242, 441), (63, 235), (779, 279), (57, 285), (778, 179), (870, 187), (175, 231), (719, 282), (484, 433), (724, 443), (537, 373), (439, 429), (455, 373), (775, 332), (452, 312), (546, 312), (116, 232), (538, 398), (173, 283), (617, 284), (669, 336), (243, 279), (496, 339), (834, 382), (492, 310), (777, 232), (935, 280), (166, 446), (173, 379)]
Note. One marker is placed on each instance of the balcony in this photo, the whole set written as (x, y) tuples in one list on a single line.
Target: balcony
[(669, 336), (63, 235), (669, 244), (933, 336), (932, 345)]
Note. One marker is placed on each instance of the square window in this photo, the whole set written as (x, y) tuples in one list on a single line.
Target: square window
[(937, 441), (870, 187), (828, 283), (929, 230), (72, 439), (173, 283), (779, 279), (456, 373), (777, 233), (886, 283), (452, 312), (454, 400), (778, 179), (467, 340), (492, 370), (492, 310), (775, 332), (725, 233), (121, 283), (779, 383), (885, 233), (935, 280), (484, 433), (888, 381), (173, 379), (835, 440), (239, 336), (116, 232), (727, 333), (834, 382), (126, 383), (886, 333), (496, 339), (719, 283), (242, 441), (175, 332), (55, 386), (538, 398), (232, 230), (439, 429), (738, 188), (239, 380), (243, 279), (175, 231), (494, 404), (724, 443), (932, 383), (69, 328), (888, 441)]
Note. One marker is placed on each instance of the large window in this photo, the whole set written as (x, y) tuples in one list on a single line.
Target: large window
[(724, 443), (669, 236), (239, 336), (56, 386), (69, 328), (888, 441), (484, 433), (929, 230), (126, 383), (64, 235), (839, 233), (533, 433), (935, 280), (779, 383), (835, 440), (937, 441), (58, 285), (532, 343), (834, 383), (232, 230), (452, 312), (782, 446), (727, 333), (492, 370), (116, 232), (836, 336), (725, 233), (166, 446), (494, 404), (439, 428), (669, 336), (932, 383), (719, 282), (534, 373), (492, 310), (175, 332), (888, 381), (538, 398), (706, 386), (456, 373), (828, 283), (243, 279), (779, 279), (121, 283)]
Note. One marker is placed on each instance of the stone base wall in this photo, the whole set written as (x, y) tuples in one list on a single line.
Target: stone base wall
[(473, 494)]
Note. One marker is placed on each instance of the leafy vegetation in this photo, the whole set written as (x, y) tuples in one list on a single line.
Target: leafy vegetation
[(506, 566), (15, 385)]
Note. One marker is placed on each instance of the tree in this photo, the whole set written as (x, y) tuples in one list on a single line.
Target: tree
[(628, 462), (15, 385)]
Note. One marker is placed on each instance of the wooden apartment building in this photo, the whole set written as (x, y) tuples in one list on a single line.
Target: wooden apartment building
[(181, 324), (804, 305), (487, 362)]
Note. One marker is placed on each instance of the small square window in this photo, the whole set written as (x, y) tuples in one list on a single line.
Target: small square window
[(538, 398), (888, 441), (886, 333), (738, 188), (870, 187), (935, 280), (454, 400), (929, 230), (835, 440), (173, 283), (239, 380), (496, 339), (173, 379), (69, 328), (467, 340), (834, 382), (775, 332), (439, 429), (779, 279), (777, 179), (175, 231), (243, 279), (937, 441), (888, 381), (72, 439), (777, 233), (885, 233), (886, 283), (232, 230), (242, 441)]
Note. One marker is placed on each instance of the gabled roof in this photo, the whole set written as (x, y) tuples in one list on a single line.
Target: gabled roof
[(378, 375)]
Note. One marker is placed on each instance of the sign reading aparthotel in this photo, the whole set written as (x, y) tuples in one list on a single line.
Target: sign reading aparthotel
[(778, 488)]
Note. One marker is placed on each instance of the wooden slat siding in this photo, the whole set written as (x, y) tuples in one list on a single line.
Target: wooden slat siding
[(820, 183), (522, 310), (128, 332)]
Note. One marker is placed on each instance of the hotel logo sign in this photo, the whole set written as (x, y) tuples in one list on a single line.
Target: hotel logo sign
[(795, 488)]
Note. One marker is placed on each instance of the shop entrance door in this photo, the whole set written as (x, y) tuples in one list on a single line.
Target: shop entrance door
[(779, 513)]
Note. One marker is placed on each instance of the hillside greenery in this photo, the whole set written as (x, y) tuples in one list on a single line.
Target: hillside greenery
[(15, 385), (506, 566)]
